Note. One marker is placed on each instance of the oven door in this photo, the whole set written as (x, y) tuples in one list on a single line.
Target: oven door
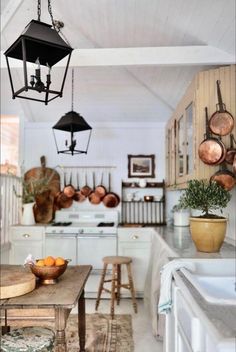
[(92, 248), (64, 246)]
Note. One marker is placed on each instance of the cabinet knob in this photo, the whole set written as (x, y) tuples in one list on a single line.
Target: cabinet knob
[(26, 235), (135, 237)]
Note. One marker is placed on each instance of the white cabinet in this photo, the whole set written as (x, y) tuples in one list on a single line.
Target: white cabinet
[(26, 240), (135, 243)]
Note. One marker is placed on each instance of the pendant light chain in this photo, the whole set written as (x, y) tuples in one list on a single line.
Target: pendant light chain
[(50, 13), (39, 10), (72, 91)]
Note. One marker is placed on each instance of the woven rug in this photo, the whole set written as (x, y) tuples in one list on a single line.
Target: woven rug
[(102, 333)]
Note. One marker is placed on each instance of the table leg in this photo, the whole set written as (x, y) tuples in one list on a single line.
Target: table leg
[(60, 325), (81, 322)]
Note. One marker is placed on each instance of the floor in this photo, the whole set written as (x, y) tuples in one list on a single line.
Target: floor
[(143, 338)]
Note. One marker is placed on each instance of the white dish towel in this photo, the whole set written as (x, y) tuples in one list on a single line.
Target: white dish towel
[(165, 300)]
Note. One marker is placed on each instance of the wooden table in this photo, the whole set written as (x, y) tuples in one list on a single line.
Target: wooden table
[(50, 304)]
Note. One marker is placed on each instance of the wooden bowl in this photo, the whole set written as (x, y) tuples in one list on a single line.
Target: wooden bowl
[(48, 274)]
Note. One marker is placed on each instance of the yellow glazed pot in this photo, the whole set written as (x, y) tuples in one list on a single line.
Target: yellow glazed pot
[(208, 234)]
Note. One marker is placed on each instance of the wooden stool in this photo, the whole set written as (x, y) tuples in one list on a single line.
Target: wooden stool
[(28, 339), (116, 262)]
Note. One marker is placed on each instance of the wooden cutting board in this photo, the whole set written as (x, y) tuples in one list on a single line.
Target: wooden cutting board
[(39, 173), (15, 282)]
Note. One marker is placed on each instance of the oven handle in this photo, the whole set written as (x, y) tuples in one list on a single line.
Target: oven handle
[(53, 235), (101, 236)]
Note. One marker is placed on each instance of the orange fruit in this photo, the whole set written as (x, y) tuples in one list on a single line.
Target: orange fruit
[(40, 262), (49, 261), (59, 261)]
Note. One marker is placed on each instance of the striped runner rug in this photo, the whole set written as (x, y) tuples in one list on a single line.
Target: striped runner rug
[(102, 333)]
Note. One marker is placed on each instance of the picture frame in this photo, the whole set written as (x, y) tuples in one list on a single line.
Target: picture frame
[(141, 166)]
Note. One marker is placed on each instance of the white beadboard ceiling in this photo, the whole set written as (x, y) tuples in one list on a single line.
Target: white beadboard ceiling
[(138, 88)]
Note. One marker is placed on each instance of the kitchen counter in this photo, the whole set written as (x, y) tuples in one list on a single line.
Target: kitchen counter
[(178, 239), (170, 242), (220, 319)]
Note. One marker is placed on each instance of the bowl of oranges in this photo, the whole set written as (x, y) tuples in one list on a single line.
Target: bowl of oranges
[(48, 269)]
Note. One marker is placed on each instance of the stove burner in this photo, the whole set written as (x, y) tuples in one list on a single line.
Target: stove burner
[(106, 224), (61, 223)]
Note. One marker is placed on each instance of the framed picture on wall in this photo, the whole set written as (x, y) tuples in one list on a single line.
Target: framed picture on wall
[(141, 165)]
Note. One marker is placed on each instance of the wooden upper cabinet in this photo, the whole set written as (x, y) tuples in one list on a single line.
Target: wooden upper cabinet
[(186, 128)]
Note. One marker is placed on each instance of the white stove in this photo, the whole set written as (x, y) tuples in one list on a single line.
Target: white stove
[(85, 237), (84, 223)]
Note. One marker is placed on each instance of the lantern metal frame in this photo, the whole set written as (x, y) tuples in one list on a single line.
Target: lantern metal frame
[(72, 122), (39, 42)]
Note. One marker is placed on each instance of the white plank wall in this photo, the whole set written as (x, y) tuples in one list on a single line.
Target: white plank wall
[(10, 205)]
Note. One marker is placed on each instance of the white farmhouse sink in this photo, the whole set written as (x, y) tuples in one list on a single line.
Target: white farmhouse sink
[(215, 280)]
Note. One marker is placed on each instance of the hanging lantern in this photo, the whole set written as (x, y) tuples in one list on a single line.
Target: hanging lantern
[(73, 132), (41, 44)]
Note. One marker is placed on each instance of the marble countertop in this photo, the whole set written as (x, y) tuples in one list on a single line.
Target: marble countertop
[(221, 317), (178, 239)]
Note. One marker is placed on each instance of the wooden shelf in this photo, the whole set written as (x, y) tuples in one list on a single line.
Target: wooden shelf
[(149, 185)]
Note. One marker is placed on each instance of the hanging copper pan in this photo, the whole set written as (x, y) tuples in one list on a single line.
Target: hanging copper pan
[(111, 199), (224, 177), (100, 190), (86, 190), (78, 196), (69, 190), (231, 151), (61, 200), (221, 122), (212, 150), (234, 165), (93, 197)]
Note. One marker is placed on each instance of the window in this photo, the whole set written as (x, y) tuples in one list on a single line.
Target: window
[(9, 144)]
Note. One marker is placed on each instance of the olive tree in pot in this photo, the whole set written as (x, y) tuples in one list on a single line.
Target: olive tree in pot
[(207, 230)]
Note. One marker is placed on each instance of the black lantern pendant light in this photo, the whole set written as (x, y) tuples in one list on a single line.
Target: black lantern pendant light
[(77, 141), (40, 43)]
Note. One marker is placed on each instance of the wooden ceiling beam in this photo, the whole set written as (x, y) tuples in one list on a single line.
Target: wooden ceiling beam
[(161, 56)]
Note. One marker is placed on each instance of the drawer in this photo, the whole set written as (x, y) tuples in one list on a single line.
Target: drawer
[(133, 234), (27, 233)]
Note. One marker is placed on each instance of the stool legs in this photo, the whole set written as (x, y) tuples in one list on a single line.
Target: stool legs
[(131, 286), (118, 284), (101, 286), (113, 290)]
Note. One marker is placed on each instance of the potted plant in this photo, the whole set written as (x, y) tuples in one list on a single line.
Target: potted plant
[(181, 215), (207, 230)]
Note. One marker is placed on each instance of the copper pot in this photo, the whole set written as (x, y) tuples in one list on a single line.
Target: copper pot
[(221, 122), (86, 190), (78, 196), (225, 178), (69, 190), (212, 150), (100, 190), (94, 198), (111, 199), (231, 151)]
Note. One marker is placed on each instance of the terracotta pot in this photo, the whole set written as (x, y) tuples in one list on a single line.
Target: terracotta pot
[(208, 234)]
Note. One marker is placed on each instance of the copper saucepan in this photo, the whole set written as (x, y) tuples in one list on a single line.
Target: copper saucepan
[(86, 190), (234, 165), (221, 122), (224, 177), (231, 151), (94, 198), (100, 190), (78, 196), (69, 190), (111, 199), (212, 150)]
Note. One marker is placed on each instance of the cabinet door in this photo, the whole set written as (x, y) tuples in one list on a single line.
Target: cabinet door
[(139, 252), (26, 240), (21, 249)]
